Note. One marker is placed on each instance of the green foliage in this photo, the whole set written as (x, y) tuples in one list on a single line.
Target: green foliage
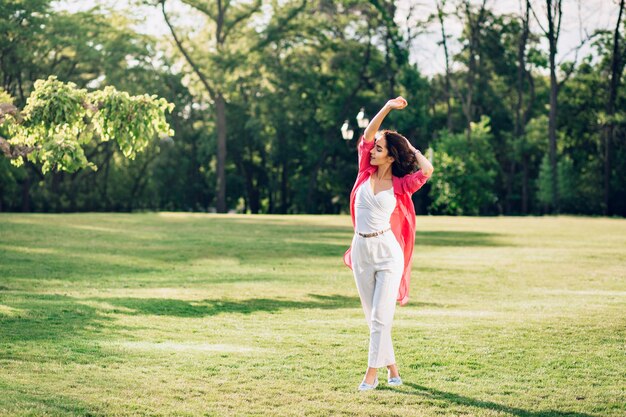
[(291, 72), (59, 119), (130, 120), (447, 199), (25, 49), (465, 172), (567, 182), (53, 126), (5, 97), (578, 187), (535, 138)]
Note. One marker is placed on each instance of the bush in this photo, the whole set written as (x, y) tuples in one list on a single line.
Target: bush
[(466, 169)]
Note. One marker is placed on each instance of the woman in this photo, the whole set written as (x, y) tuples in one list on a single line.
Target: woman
[(383, 217)]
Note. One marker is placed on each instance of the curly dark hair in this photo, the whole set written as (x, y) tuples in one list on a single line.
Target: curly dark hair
[(405, 161)]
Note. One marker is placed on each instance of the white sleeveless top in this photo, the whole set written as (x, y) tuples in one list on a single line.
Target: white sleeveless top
[(373, 212)]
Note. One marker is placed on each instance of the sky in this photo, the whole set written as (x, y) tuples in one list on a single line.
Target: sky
[(580, 18)]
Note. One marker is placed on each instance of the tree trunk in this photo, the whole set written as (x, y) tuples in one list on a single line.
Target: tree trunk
[(609, 130), (311, 197), (252, 190), (444, 40), (216, 96), (220, 108), (284, 188), (140, 181), (525, 184), (55, 187), (521, 72), (554, 17), (26, 192), (508, 204), (284, 172), (196, 200), (474, 49), (389, 67), (520, 117), (107, 168)]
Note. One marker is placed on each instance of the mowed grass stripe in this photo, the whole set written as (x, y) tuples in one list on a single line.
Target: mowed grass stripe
[(199, 314)]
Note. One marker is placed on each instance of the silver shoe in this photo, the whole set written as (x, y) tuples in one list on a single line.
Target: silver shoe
[(367, 387), (395, 381)]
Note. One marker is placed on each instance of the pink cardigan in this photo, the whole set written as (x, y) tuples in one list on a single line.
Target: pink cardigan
[(402, 218)]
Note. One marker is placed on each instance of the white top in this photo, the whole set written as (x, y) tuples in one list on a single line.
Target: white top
[(373, 212)]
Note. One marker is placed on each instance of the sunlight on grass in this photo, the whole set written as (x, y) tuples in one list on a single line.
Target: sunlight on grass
[(23, 249), (11, 311), (98, 228), (182, 347), (105, 307), (205, 314)]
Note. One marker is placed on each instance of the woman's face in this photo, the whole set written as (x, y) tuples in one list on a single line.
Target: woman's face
[(379, 154)]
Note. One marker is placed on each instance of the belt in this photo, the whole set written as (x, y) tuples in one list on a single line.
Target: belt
[(373, 234)]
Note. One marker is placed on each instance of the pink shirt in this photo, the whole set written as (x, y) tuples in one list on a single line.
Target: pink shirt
[(403, 217)]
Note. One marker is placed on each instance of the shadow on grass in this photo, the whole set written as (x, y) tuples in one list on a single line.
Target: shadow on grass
[(488, 405), (48, 317), (113, 246), (21, 400), (206, 308), (61, 319)]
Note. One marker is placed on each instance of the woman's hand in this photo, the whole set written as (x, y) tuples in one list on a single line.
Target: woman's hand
[(397, 103), (393, 104)]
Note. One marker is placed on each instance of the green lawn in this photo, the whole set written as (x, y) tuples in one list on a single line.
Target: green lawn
[(192, 314)]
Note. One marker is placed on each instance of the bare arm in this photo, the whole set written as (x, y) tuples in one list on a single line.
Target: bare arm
[(422, 161), (424, 164), (372, 128)]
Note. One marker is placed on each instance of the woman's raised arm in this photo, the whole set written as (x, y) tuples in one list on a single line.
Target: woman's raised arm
[(422, 162), (395, 103)]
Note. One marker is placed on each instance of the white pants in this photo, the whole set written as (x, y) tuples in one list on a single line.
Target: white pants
[(377, 264)]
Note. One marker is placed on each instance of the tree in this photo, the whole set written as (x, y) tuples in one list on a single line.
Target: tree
[(554, 12), (22, 32), (522, 111), (300, 88), (92, 48), (617, 68), (60, 119), (215, 62), (464, 183), (444, 41), (474, 26)]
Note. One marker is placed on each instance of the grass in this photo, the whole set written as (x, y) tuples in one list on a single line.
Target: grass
[(192, 314)]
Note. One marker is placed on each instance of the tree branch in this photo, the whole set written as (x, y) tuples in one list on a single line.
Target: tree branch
[(559, 4), (281, 26), (242, 16), (576, 49), (200, 8), (195, 68), (14, 151), (9, 109), (537, 20)]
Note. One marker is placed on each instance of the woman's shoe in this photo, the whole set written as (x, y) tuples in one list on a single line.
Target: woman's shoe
[(367, 387), (396, 381)]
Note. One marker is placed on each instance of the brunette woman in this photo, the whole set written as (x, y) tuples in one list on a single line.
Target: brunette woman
[(383, 216)]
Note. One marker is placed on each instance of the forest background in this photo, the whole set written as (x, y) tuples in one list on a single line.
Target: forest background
[(517, 122)]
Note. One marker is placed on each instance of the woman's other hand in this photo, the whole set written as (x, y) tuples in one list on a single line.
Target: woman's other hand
[(397, 103)]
